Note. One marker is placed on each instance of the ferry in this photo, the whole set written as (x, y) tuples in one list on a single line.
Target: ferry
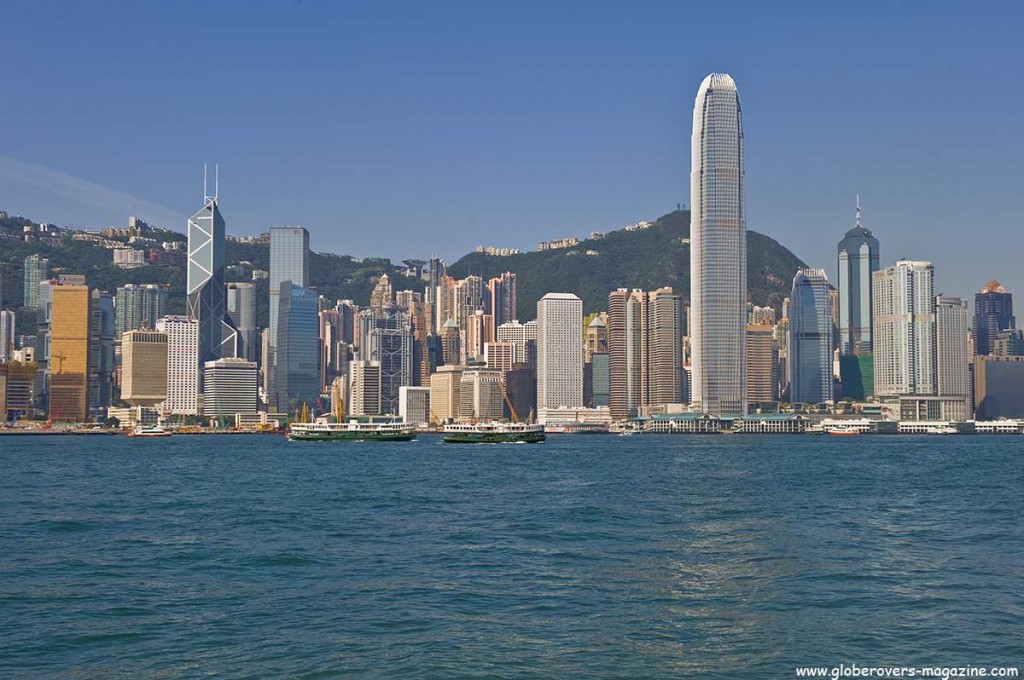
[(352, 430), (148, 431), (842, 430), (494, 433), (942, 429)]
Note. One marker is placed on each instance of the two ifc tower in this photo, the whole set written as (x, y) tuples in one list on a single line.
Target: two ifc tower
[(718, 257)]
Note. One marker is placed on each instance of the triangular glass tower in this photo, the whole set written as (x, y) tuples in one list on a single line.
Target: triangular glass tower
[(207, 295)]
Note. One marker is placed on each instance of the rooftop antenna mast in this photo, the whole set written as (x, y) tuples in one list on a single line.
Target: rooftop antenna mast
[(856, 211), (206, 184)]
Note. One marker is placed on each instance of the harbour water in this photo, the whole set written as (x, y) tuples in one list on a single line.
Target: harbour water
[(598, 557)]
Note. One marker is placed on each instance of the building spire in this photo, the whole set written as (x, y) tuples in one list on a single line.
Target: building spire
[(856, 212)]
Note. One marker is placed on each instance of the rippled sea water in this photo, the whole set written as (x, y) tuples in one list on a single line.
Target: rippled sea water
[(597, 557)]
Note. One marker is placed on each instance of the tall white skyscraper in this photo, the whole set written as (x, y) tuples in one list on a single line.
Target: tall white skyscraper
[(951, 357), (718, 250), (7, 326), (182, 361), (904, 329), (559, 352)]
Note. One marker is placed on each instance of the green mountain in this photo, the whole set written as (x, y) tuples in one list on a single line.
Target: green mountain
[(644, 258)]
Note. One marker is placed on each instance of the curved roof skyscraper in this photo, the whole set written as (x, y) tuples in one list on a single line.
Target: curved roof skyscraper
[(718, 250)]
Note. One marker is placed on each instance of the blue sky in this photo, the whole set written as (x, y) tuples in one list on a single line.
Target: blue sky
[(403, 128)]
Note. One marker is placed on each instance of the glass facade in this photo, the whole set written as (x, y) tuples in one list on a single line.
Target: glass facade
[(206, 292), (718, 252), (810, 338), (993, 312), (298, 348), (858, 261)]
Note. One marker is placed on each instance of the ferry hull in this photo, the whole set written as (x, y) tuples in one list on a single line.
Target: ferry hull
[(494, 437), (352, 436)]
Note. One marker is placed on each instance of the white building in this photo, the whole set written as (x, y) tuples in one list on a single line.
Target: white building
[(230, 387), (364, 388), (951, 357), (904, 329), (6, 335), (559, 351), (718, 250), (500, 355), (414, 404), (182, 365), (129, 258), (523, 337)]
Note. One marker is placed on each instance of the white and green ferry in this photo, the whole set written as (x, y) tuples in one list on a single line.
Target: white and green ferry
[(356, 429), (494, 433)]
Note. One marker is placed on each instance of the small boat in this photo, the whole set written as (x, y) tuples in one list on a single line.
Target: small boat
[(941, 429), (494, 433), (353, 430), (148, 431), (842, 430), (627, 433)]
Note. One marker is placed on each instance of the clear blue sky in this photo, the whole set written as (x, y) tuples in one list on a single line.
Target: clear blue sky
[(402, 128)]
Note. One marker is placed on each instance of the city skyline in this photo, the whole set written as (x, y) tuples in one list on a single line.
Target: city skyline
[(590, 159)]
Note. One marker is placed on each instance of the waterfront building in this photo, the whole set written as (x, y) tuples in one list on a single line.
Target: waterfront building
[(230, 388), (762, 364), (445, 394), (289, 262), (297, 350), (7, 326), (857, 376), (810, 339), (387, 339), (480, 397), (904, 329), (858, 261), (952, 377), (206, 295), (69, 353), (144, 367), (364, 388), (599, 384), (101, 352), (993, 312), (17, 388), (241, 307), (182, 360), (999, 387), (718, 252), (414, 404), (136, 306), (521, 388), (645, 350), (36, 269), (559, 352)]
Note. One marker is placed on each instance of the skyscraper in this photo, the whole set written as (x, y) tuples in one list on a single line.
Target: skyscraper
[(242, 312), (7, 327), (289, 262), (952, 377), (144, 367), (502, 294), (993, 312), (718, 251), (858, 261), (559, 352), (230, 388), (762, 364), (36, 269), (387, 339), (182, 364), (810, 338), (904, 329), (206, 293), (69, 353), (135, 306), (297, 351)]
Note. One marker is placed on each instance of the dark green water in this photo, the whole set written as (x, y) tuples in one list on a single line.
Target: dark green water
[(638, 557)]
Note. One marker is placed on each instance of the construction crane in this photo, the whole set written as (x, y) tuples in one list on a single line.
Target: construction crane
[(508, 402)]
